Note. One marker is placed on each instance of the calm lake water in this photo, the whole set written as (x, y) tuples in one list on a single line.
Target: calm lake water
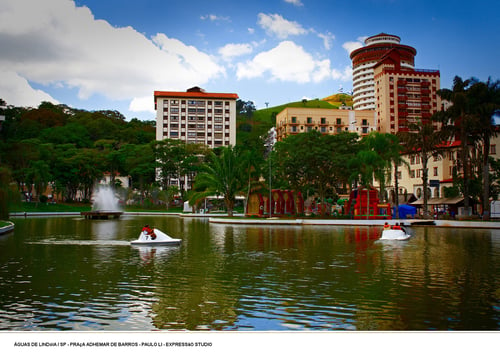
[(60, 273)]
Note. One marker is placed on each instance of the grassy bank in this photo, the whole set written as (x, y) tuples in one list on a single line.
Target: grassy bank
[(76, 208), (45, 208)]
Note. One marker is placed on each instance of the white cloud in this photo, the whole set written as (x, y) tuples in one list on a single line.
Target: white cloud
[(327, 39), (322, 71), (350, 46), (345, 75), (16, 91), (230, 51), (294, 2), (276, 25), (212, 17), (55, 43), (285, 62), (142, 104)]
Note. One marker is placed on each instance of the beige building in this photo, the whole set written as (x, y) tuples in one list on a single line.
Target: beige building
[(196, 116), (294, 120)]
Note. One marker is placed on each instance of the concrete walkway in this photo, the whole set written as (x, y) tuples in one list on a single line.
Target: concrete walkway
[(406, 222), (240, 219)]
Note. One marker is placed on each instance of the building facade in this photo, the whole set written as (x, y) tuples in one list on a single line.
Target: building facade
[(403, 95), (364, 60), (196, 116), (294, 120)]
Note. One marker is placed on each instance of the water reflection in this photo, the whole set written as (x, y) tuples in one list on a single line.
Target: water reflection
[(69, 273)]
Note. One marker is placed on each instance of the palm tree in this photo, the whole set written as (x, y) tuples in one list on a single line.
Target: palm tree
[(387, 146), (423, 140), (221, 175), (363, 167), (459, 115), (485, 103)]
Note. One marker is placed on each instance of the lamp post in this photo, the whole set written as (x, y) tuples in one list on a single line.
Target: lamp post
[(270, 143), (270, 189)]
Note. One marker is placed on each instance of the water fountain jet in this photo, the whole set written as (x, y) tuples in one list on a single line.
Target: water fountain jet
[(104, 204)]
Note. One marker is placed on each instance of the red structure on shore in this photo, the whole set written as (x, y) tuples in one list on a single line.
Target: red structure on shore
[(364, 203)]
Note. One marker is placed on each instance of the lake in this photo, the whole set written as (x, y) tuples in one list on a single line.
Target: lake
[(68, 273)]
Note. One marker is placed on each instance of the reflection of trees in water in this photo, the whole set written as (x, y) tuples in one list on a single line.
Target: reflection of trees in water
[(194, 289)]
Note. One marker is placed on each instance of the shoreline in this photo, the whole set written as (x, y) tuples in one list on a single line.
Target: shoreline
[(241, 220)]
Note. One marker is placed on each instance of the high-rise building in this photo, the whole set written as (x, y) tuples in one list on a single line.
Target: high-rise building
[(196, 116), (403, 95), (364, 60)]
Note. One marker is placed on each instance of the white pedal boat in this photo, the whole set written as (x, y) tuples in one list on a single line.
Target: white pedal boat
[(161, 239), (394, 235)]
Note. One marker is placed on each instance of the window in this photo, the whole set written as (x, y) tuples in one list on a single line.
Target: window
[(493, 149), (412, 173), (339, 121), (435, 171), (294, 119), (323, 120), (309, 120)]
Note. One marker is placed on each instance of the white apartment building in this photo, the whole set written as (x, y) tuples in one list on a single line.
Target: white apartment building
[(196, 116)]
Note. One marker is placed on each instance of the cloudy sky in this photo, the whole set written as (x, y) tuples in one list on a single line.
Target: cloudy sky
[(113, 54)]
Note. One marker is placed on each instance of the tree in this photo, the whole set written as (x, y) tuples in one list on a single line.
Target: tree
[(7, 195), (314, 160), (485, 103), (38, 175), (221, 175), (177, 159), (246, 108), (252, 164), (140, 164), (459, 116), (389, 149)]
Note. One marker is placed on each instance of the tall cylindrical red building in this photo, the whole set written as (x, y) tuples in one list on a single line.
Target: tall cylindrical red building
[(365, 58)]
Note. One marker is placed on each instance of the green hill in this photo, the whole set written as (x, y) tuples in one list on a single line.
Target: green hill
[(251, 129)]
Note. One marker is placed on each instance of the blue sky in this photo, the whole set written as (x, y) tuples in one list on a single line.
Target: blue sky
[(113, 54)]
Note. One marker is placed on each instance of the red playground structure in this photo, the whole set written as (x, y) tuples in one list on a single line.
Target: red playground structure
[(364, 203)]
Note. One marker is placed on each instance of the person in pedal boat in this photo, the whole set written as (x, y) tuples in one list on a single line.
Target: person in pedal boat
[(149, 231)]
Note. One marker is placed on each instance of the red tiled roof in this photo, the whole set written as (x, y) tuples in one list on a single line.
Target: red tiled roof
[(194, 95)]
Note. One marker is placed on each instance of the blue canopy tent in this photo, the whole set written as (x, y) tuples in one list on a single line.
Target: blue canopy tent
[(404, 211)]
